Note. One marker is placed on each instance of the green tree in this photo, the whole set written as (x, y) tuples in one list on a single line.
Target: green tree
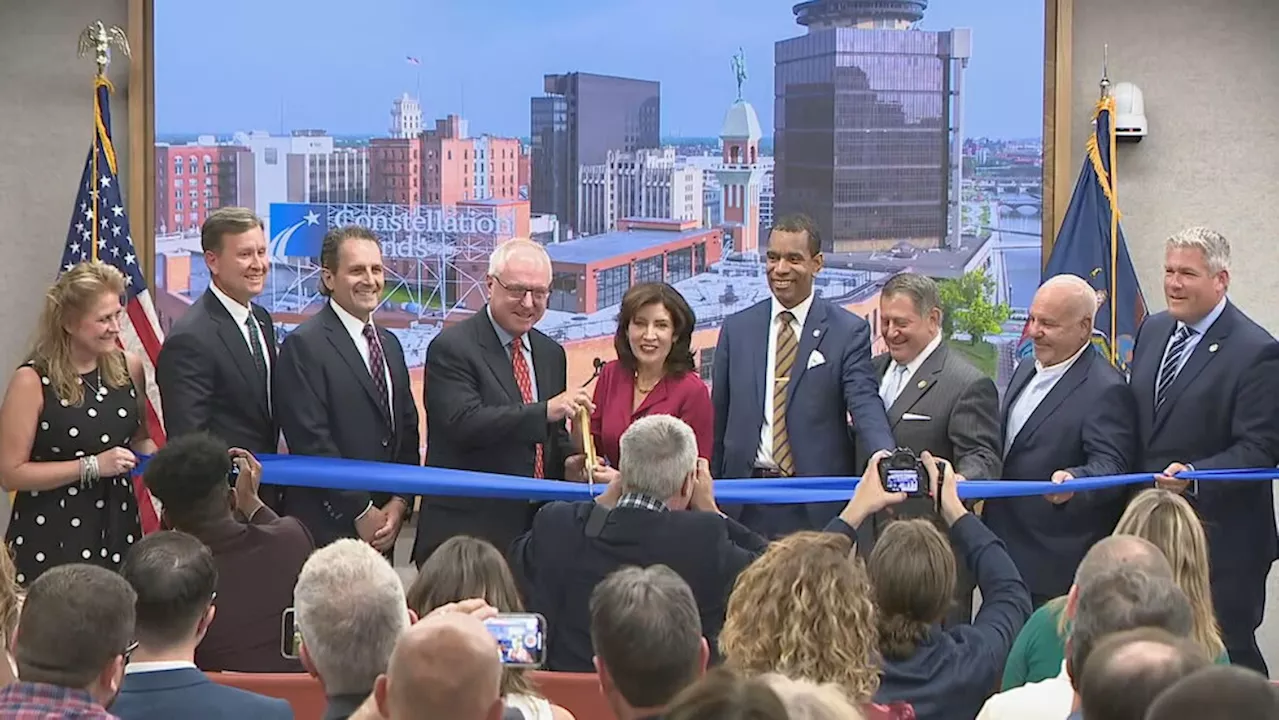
[(967, 306)]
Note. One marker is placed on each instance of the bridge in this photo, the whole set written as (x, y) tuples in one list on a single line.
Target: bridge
[(1032, 241)]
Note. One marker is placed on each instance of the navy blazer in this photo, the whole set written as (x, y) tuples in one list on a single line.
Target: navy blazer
[(189, 694), (1087, 426), (820, 401), (1220, 413)]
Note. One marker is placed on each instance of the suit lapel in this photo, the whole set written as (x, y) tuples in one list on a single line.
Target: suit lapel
[(394, 357), (761, 332), (233, 338), (1205, 350), (920, 383), (815, 325), (1142, 378), (1075, 375), (346, 347), (496, 357), (541, 369), (1021, 376), (881, 364)]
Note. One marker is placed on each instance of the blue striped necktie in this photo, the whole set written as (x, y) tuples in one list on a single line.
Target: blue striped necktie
[(1172, 360)]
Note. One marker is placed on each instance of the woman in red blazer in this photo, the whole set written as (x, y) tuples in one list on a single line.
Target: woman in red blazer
[(654, 373)]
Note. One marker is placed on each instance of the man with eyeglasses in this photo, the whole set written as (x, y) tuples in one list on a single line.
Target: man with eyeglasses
[(496, 402), (74, 637), (175, 578)]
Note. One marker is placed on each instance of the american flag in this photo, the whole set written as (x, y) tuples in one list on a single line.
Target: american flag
[(100, 231)]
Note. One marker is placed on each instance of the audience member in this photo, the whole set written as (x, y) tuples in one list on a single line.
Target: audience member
[(1218, 693), (1127, 670), (805, 610), (175, 579), (466, 567), (258, 555), (807, 700), (350, 609), (647, 638), (1051, 699), (725, 695), (446, 666), (75, 635), (944, 673), (10, 606)]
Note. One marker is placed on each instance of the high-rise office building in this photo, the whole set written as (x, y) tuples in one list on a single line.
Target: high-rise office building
[(578, 121), (867, 124), (642, 184)]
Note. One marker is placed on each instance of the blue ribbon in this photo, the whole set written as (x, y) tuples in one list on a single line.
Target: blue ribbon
[(343, 474)]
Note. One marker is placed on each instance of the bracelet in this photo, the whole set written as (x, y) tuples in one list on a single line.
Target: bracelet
[(88, 470)]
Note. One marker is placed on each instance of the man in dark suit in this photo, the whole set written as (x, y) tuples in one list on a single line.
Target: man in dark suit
[(1067, 414), (786, 411), (176, 580), (214, 370), (937, 401), (1205, 379), (496, 402), (342, 390)]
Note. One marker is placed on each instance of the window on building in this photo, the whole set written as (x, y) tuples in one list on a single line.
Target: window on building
[(679, 265), (271, 156), (649, 269), (177, 204), (177, 165), (706, 363), (564, 292), (611, 285), (699, 258)]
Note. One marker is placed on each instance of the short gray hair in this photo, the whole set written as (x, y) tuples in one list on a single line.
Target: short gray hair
[(1214, 246), (350, 609), (657, 453), (922, 290), (646, 630), (502, 254)]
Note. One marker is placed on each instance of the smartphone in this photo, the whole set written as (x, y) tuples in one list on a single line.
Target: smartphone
[(906, 481), (522, 638), (290, 638)]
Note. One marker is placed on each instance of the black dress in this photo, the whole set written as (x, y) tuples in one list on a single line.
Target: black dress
[(91, 523)]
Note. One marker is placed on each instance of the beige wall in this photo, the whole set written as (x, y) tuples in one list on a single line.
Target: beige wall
[(1207, 69), (46, 122)]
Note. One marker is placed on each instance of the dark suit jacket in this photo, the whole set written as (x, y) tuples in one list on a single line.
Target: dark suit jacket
[(208, 382), (821, 399), (327, 405), (189, 694), (1086, 425), (477, 421), (1220, 413)]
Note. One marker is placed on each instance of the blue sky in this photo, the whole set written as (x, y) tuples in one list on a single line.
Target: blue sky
[(337, 65)]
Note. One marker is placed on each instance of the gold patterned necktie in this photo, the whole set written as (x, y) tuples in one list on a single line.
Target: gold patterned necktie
[(785, 359)]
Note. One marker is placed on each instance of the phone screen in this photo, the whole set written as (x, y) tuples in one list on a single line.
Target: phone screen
[(522, 638), (290, 638), (902, 481)]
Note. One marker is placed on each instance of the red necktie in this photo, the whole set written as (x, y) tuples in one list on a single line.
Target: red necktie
[(378, 370), (521, 370)]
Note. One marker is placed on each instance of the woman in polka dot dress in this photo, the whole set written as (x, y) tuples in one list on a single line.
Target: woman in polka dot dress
[(69, 430)]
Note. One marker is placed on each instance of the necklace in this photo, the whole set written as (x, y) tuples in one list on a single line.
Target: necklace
[(99, 392), (643, 390)]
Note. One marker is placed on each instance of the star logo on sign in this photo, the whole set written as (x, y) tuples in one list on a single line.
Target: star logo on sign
[(312, 218)]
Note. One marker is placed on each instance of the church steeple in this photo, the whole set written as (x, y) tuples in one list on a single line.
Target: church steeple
[(740, 173)]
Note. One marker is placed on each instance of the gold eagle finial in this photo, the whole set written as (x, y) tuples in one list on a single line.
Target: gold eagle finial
[(98, 39)]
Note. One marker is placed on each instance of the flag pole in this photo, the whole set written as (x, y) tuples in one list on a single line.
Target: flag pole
[(98, 39), (1105, 87)]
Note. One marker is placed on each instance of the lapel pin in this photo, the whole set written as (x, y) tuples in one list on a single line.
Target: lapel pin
[(816, 333), (1213, 347), (922, 383)]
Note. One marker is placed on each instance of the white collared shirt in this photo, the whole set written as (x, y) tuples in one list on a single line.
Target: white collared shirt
[(1201, 327), (1045, 700), (889, 390), (135, 668), (764, 457), (1034, 392), (240, 314), (355, 328)]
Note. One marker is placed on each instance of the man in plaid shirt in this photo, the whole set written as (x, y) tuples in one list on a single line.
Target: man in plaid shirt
[(74, 637)]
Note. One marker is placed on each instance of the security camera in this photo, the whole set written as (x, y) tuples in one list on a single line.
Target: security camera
[(1131, 117)]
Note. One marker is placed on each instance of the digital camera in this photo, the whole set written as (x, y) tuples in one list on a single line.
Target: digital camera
[(903, 472)]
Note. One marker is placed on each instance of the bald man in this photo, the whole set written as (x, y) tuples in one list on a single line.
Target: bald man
[(1067, 414), (446, 666)]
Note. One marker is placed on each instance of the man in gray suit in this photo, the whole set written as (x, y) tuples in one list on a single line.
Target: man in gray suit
[(936, 401)]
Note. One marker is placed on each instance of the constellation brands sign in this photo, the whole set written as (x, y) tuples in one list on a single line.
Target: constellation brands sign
[(298, 229)]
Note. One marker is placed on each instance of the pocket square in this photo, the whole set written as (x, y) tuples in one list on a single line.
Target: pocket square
[(815, 359), (914, 416)]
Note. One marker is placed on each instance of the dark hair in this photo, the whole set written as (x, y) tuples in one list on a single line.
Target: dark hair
[(922, 290), (226, 221), (1121, 679), (190, 477), (799, 222), (913, 575), (726, 695), (1217, 692), (680, 358), (76, 620), (332, 245), (465, 567), (175, 578), (646, 630), (1123, 599)]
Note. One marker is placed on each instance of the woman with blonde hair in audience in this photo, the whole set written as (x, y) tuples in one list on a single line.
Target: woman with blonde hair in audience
[(71, 429), (804, 609), (807, 700), (1169, 522), (10, 607), (466, 567)]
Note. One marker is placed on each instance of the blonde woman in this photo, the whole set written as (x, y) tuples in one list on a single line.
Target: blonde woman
[(70, 425), (804, 609), (1170, 523), (807, 700)]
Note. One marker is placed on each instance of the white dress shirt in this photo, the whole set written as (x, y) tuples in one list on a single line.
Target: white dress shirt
[(764, 457), (355, 328), (1045, 700), (1034, 393), (896, 380), (135, 668), (241, 314)]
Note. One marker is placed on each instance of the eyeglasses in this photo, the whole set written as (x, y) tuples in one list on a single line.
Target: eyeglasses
[(517, 292)]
